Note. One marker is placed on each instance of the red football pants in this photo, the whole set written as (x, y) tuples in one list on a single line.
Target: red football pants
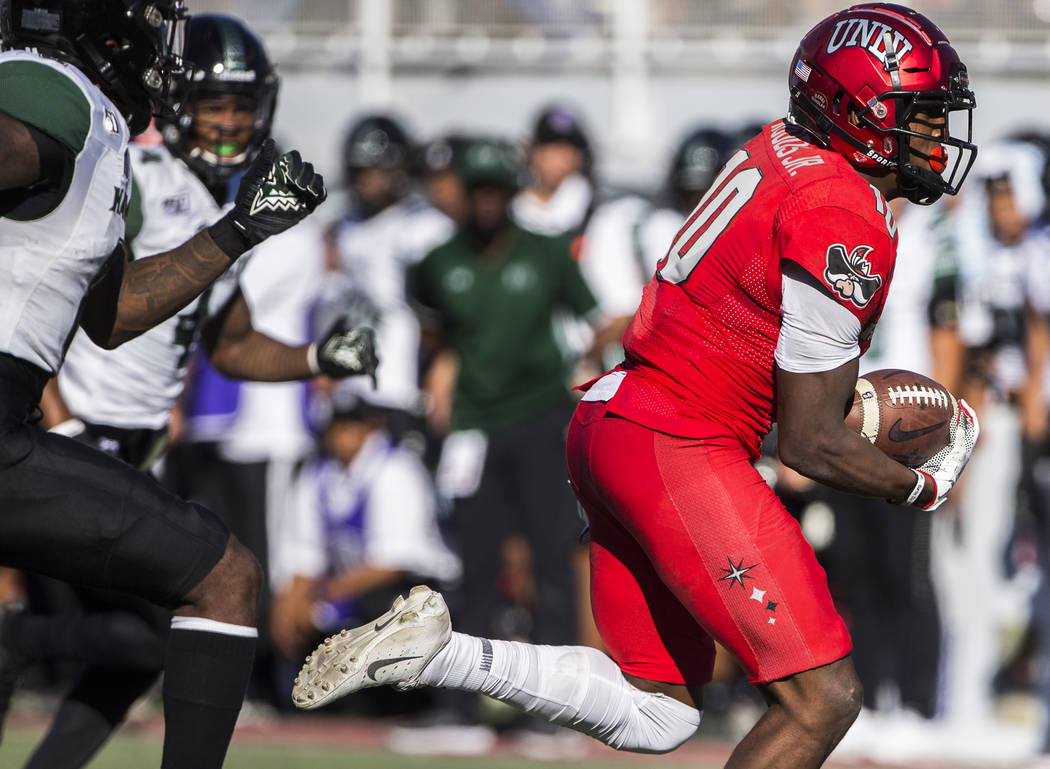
[(689, 544)]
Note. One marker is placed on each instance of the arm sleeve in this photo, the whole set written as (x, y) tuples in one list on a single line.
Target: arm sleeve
[(419, 289), (41, 96), (609, 260), (574, 289), (422, 295), (817, 333), (133, 225), (1037, 269), (849, 253)]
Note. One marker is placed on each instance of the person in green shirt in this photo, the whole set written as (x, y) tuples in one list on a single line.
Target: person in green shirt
[(498, 386)]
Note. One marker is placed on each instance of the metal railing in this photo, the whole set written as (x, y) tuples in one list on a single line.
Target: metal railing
[(997, 35)]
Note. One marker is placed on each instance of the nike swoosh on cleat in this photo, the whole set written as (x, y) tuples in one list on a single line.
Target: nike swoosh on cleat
[(897, 435), (381, 626), (375, 666)]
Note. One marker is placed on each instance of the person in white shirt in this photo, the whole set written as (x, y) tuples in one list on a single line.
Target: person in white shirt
[(559, 197), (626, 237), (387, 228), (360, 526)]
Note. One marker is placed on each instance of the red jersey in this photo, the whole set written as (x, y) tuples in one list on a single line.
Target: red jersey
[(699, 350)]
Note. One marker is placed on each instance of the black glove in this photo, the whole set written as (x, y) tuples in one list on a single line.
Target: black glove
[(273, 195), (344, 352)]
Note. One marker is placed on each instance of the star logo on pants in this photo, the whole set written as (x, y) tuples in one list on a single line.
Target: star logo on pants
[(736, 573)]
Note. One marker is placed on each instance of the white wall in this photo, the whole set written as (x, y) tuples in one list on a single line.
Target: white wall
[(315, 109)]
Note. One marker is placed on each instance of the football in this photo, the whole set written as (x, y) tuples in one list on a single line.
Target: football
[(906, 415)]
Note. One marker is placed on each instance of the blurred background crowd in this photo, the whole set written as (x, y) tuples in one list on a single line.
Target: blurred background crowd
[(576, 136)]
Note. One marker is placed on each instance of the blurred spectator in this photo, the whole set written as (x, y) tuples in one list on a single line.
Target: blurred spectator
[(441, 184), (360, 527), (499, 384), (995, 249), (627, 236), (386, 229), (560, 194), (1035, 464), (880, 558)]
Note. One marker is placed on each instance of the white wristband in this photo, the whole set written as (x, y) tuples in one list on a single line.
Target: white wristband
[(311, 359), (920, 484), (70, 428)]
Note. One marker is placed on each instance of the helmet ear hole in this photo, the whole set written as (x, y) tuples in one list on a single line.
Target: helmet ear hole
[(836, 102)]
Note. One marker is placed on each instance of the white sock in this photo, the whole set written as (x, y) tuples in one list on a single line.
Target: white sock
[(574, 686), (204, 625)]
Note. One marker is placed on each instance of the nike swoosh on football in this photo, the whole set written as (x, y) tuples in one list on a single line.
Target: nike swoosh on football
[(897, 435), (375, 666)]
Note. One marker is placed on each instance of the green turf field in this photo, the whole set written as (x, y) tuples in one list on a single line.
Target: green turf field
[(137, 752)]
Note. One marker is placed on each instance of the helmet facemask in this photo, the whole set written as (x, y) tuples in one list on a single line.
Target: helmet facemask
[(131, 49), (137, 61), (225, 60)]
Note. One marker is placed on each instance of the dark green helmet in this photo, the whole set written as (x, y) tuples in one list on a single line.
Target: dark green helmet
[(489, 161)]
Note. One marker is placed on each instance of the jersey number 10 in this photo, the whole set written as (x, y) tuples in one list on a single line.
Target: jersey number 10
[(729, 192)]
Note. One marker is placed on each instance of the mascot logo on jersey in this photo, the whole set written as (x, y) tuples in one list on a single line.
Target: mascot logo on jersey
[(273, 194), (849, 274)]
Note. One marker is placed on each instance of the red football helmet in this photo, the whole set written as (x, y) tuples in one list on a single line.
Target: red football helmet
[(860, 80)]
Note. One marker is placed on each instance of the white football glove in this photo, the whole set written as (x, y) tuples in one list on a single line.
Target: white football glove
[(945, 467)]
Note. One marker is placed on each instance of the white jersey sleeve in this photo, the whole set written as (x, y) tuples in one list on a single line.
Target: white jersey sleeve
[(817, 333), (658, 233), (374, 256), (612, 259), (49, 258)]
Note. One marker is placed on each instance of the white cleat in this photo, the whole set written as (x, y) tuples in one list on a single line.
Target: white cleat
[(391, 650)]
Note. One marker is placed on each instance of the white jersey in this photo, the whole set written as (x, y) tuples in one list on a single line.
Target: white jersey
[(379, 511), (902, 337), (374, 257), (564, 211), (48, 262), (135, 385), (624, 240)]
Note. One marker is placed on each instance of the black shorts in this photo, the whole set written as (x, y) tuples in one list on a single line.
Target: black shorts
[(76, 514), (139, 447)]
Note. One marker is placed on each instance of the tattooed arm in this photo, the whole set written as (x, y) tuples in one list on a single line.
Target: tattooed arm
[(134, 296), (238, 351)]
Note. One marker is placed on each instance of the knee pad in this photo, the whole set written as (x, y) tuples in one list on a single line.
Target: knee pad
[(600, 702), (658, 724)]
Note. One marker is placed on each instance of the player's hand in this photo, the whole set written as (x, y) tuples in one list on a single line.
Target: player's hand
[(274, 194), (344, 352), (944, 468)]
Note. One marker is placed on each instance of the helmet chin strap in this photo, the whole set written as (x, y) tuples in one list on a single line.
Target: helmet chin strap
[(891, 65)]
